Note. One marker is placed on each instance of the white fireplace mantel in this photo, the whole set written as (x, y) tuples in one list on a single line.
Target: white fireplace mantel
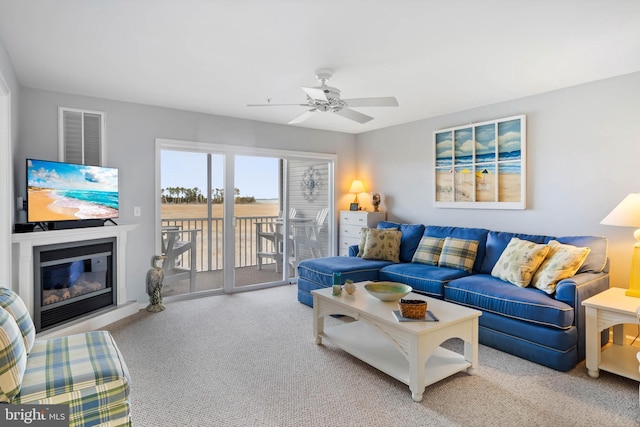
[(22, 255)]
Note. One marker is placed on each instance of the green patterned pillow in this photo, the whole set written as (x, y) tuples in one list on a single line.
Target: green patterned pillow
[(519, 261), (382, 244), (11, 302), (363, 240), (562, 262), (428, 251), (13, 357), (458, 253)]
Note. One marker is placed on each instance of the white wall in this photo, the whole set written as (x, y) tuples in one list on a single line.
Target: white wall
[(583, 146), (9, 94), (131, 131)]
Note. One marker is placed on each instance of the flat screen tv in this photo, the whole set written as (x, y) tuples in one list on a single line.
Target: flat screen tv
[(69, 192)]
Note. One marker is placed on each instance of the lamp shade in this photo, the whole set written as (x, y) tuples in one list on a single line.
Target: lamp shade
[(626, 214), (356, 187)]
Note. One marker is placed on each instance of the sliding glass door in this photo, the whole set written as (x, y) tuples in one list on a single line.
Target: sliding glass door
[(191, 228), (239, 219)]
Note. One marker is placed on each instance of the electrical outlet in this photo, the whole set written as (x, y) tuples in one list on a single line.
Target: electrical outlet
[(137, 211)]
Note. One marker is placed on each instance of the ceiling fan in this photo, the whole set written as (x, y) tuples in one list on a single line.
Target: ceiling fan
[(326, 98)]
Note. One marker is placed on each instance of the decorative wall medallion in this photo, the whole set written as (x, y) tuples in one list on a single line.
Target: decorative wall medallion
[(310, 184)]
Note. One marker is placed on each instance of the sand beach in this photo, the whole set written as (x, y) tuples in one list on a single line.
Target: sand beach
[(485, 191), (42, 207)]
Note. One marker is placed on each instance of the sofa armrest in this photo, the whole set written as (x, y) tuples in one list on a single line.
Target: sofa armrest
[(353, 250), (580, 287), (574, 291)]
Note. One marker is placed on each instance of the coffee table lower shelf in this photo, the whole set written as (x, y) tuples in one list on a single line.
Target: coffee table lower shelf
[(367, 344)]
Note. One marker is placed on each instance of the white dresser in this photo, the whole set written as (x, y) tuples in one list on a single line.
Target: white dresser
[(351, 223)]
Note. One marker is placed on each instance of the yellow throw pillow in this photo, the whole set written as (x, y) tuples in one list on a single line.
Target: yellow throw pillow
[(519, 261), (382, 244), (562, 262)]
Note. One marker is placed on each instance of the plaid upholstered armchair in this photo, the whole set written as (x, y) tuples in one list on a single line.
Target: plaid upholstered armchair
[(85, 371)]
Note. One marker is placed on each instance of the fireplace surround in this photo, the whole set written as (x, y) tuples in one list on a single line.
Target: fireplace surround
[(23, 245), (72, 279)]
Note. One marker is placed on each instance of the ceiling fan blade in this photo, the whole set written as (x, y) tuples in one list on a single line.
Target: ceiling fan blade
[(276, 105), (302, 117), (354, 115), (389, 101), (315, 93)]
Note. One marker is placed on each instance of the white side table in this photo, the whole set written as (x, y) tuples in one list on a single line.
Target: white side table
[(611, 308)]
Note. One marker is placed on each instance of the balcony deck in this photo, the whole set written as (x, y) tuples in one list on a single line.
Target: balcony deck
[(212, 280)]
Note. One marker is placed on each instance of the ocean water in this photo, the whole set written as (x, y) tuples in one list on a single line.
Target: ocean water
[(90, 204), (105, 198), (480, 158)]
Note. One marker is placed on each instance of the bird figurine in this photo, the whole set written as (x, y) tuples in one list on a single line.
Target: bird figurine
[(154, 284)]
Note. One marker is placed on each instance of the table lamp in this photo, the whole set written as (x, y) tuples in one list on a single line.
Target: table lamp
[(627, 214), (356, 187)]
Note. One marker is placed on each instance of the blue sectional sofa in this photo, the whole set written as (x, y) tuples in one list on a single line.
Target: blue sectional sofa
[(548, 329)]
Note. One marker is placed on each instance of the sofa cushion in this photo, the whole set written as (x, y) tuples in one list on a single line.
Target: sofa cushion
[(320, 270), (411, 235), (13, 357), (597, 259), (426, 279), (458, 253), (562, 262), (488, 293), (519, 261), (11, 302), (497, 241), (478, 234), (381, 244), (428, 251), (85, 371)]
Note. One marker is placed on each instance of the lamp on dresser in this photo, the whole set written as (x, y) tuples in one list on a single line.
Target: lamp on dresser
[(356, 188), (627, 214)]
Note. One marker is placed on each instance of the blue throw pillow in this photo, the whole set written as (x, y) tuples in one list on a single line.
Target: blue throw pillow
[(411, 235)]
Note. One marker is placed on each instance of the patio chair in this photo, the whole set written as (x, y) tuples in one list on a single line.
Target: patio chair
[(175, 244), (272, 245), (307, 235)]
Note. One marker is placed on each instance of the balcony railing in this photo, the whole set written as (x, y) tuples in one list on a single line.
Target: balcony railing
[(209, 240)]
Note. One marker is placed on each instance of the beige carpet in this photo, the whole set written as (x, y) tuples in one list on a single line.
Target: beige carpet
[(249, 359)]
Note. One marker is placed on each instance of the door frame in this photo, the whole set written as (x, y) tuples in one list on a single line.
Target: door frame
[(6, 188), (229, 152)]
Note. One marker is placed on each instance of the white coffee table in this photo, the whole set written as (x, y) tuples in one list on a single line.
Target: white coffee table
[(408, 351)]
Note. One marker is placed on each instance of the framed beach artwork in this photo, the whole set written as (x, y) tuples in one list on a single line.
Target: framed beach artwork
[(481, 165)]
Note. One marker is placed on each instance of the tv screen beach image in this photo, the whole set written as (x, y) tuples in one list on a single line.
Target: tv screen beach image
[(64, 191)]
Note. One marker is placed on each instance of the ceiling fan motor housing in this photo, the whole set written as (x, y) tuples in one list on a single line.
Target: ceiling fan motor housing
[(333, 102)]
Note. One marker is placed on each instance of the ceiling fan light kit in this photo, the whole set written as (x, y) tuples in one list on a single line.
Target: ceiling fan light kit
[(325, 98)]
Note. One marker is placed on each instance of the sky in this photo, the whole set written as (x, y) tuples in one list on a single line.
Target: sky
[(254, 176), (67, 176)]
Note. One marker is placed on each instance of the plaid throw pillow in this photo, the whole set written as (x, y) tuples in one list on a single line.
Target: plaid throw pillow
[(11, 302), (13, 357), (459, 254), (428, 251)]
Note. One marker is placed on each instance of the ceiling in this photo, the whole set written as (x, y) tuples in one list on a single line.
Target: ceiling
[(216, 56)]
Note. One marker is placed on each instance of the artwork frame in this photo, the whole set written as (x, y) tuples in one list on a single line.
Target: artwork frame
[(481, 165)]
